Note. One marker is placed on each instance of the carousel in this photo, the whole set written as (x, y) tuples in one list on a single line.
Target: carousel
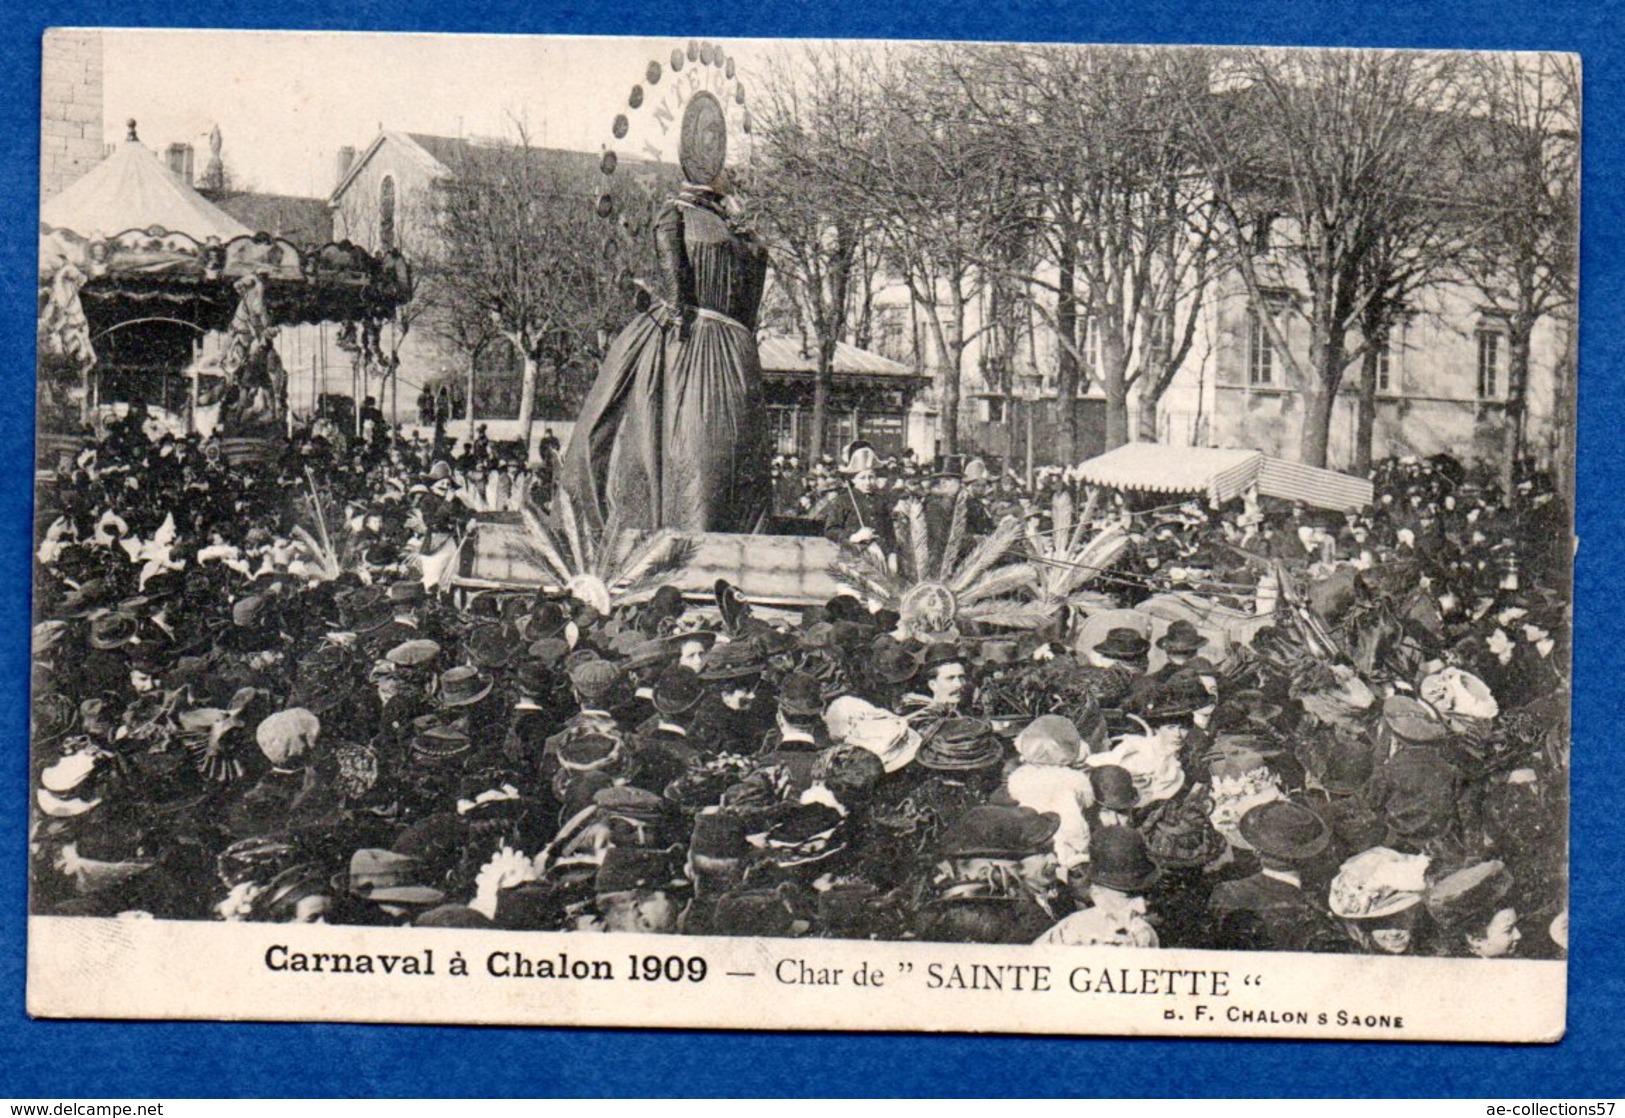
[(138, 271)]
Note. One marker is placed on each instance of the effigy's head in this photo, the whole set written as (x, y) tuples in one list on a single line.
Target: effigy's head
[(704, 151)]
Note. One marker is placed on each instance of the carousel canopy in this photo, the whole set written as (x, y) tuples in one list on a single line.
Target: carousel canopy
[(131, 239), (131, 189), (1222, 474)]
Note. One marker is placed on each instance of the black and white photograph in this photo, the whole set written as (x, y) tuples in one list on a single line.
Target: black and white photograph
[(948, 536)]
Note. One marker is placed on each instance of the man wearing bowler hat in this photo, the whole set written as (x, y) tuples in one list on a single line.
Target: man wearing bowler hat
[(1116, 666), (666, 745), (1181, 644), (798, 736), (1121, 872), (644, 664), (733, 675), (994, 878), (1271, 911), (598, 687)]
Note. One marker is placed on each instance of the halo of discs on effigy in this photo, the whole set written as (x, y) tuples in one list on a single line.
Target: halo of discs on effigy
[(1055, 715)]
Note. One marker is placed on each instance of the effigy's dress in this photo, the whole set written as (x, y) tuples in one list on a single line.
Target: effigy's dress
[(674, 431)]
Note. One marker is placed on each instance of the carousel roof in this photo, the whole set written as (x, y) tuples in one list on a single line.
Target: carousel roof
[(141, 240), (131, 189)]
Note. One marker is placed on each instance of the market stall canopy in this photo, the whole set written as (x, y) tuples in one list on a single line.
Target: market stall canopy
[(1222, 474)]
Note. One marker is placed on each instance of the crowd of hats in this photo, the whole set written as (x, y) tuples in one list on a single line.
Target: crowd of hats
[(225, 728)]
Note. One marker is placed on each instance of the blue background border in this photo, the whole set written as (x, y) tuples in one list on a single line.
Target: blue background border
[(88, 1059)]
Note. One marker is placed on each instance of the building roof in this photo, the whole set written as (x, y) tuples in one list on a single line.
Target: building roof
[(307, 222), (784, 358), (456, 155), (132, 189), (461, 154)]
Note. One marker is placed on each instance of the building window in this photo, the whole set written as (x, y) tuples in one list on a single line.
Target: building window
[(1491, 352), (1391, 355), (1263, 230), (1262, 364), (1159, 342), (386, 214), (1260, 353), (1086, 354), (995, 410), (891, 334)]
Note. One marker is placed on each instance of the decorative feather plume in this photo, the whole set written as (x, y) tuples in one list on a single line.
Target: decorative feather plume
[(913, 538), (1084, 519), (955, 543), (601, 545), (1001, 582), (863, 588), (652, 560), (1061, 518), (858, 570), (1009, 613), (985, 554), (324, 555), (573, 533), (541, 544)]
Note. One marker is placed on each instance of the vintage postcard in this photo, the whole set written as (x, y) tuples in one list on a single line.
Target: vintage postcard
[(803, 535)]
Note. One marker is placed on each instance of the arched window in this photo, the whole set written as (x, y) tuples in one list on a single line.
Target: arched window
[(386, 214)]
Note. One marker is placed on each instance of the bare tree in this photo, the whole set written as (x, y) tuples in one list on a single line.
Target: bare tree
[(1122, 219), (1420, 247), (1525, 160), (815, 119), (1113, 241), (523, 254), (940, 191), (1311, 154)]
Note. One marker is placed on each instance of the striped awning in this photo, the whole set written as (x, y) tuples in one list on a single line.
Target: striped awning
[(1154, 468), (1222, 474), (1322, 489)]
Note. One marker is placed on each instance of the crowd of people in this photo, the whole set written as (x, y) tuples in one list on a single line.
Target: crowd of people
[(257, 696)]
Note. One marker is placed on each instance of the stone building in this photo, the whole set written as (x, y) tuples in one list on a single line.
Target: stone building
[(71, 130)]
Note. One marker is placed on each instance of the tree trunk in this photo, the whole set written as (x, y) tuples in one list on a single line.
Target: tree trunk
[(822, 382), (527, 401), (1113, 379), (1010, 418), (1318, 402), (1320, 384), (1517, 405), (953, 355), (1066, 367), (950, 403), (1148, 417), (1365, 429), (1563, 416)]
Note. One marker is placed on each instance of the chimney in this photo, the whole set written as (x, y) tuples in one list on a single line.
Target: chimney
[(346, 160), (179, 159)]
